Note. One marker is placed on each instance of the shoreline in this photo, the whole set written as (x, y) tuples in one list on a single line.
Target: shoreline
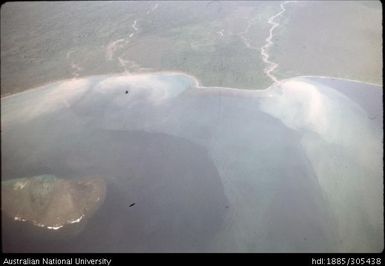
[(193, 78)]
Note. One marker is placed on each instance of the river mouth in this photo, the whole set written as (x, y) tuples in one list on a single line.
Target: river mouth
[(199, 169), (223, 44)]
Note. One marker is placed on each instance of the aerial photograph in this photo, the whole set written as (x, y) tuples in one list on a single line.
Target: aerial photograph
[(192, 127)]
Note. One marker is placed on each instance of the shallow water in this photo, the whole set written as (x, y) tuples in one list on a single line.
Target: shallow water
[(294, 168)]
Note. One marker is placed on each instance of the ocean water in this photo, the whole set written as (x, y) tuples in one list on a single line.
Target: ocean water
[(296, 167)]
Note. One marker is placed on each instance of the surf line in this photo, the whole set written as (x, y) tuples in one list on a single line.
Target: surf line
[(271, 66)]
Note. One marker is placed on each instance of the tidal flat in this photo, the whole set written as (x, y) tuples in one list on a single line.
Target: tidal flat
[(296, 167)]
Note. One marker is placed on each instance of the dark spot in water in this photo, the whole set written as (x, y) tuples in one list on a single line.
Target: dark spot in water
[(227, 207), (126, 92), (132, 204), (160, 223)]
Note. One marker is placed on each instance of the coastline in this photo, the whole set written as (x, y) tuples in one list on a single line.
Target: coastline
[(197, 82)]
